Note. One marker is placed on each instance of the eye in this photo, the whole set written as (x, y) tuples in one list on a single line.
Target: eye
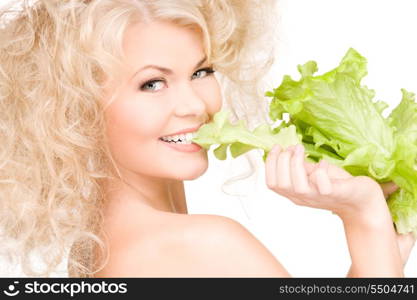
[(202, 73), (152, 86)]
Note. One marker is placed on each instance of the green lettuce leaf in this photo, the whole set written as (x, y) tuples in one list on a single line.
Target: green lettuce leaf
[(239, 139), (340, 122), (403, 204), (337, 119), (337, 112)]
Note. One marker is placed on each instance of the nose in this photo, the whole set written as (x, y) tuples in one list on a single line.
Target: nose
[(190, 103)]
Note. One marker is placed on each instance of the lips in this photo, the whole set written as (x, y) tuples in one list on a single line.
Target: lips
[(186, 130), (182, 147), (190, 148)]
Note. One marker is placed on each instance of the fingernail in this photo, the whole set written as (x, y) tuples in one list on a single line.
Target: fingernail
[(275, 149), (323, 163), (299, 149), (290, 148)]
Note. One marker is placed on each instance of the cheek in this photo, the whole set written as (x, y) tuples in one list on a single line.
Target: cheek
[(219, 101), (212, 96), (142, 122), (132, 129)]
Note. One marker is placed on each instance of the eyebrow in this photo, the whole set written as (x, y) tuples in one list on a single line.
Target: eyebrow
[(166, 70)]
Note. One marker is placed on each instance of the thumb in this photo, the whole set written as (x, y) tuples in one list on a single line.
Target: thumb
[(342, 188), (388, 188)]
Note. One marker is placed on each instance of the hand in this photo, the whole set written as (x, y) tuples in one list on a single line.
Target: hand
[(322, 185), (407, 241)]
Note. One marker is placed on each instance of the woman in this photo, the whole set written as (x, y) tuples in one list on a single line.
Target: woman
[(99, 101)]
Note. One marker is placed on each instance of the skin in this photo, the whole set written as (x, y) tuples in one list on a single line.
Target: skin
[(375, 248), (407, 241), (144, 110), (147, 227)]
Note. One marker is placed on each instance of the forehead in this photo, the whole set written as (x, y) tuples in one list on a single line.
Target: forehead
[(162, 41)]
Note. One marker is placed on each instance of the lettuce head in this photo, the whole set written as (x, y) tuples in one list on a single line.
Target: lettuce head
[(336, 118)]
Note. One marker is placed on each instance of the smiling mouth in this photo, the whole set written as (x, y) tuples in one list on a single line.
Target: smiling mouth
[(185, 138)]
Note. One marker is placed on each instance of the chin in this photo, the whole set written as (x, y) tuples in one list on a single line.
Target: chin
[(191, 172)]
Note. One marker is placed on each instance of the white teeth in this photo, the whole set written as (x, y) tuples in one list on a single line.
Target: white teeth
[(180, 139), (189, 136)]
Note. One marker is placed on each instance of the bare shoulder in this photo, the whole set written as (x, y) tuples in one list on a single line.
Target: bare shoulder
[(197, 246)]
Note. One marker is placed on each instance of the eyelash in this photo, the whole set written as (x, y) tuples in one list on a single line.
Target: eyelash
[(209, 71)]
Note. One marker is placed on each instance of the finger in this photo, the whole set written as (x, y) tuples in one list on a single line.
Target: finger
[(271, 167), (298, 172), (283, 170), (388, 188), (321, 178), (298, 201), (310, 167), (336, 172)]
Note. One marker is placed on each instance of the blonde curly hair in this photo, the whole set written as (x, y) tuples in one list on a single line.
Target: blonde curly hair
[(54, 57)]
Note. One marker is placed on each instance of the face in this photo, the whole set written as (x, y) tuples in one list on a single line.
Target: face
[(167, 89)]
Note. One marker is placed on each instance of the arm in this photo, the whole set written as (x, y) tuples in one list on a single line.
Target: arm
[(358, 201), (373, 247), (405, 241)]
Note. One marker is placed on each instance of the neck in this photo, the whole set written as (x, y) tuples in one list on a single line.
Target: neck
[(166, 195)]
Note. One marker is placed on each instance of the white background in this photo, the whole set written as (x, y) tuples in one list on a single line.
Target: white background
[(311, 242)]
